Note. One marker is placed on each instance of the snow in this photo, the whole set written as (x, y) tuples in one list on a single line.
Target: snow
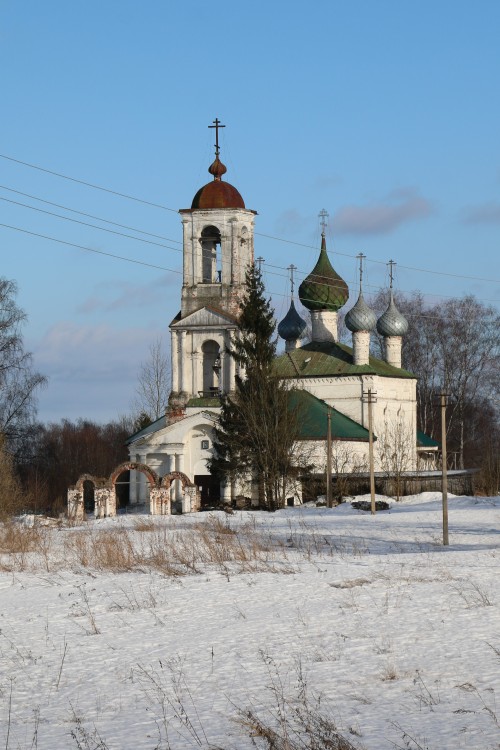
[(396, 637)]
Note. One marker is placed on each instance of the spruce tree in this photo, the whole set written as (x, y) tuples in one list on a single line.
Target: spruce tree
[(256, 432)]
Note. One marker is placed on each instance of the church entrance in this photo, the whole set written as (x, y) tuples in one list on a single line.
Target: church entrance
[(209, 489)]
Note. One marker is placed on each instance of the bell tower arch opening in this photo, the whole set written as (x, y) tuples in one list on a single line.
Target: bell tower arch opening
[(211, 263), (211, 367)]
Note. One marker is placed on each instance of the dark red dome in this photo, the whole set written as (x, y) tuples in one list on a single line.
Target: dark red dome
[(217, 194)]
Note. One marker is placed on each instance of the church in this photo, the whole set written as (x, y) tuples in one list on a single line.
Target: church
[(332, 378)]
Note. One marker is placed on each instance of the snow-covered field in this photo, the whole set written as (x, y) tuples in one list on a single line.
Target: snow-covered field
[(137, 633)]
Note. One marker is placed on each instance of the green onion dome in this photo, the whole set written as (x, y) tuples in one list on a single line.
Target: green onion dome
[(360, 317), (323, 289), (392, 322), (292, 326)]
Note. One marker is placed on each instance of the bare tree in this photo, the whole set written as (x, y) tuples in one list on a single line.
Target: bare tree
[(153, 383), (396, 446), (18, 381), (455, 346)]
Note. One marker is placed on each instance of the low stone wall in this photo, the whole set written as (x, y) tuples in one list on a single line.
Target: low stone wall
[(459, 483)]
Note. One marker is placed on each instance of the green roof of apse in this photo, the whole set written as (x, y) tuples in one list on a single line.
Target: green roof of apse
[(326, 358), (313, 419), (425, 441)]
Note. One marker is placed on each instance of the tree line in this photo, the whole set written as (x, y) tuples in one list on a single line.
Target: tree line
[(453, 346)]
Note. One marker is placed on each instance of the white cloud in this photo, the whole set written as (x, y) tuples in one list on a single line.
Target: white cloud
[(400, 206), (485, 213), (92, 370)]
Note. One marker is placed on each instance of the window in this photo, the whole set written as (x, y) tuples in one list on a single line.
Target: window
[(205, 445)]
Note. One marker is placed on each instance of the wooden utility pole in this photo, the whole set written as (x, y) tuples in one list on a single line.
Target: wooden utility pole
[(370, 450), (329, 498), (444, 460)]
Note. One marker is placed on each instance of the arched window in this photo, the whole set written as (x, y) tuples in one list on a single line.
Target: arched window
[(211, 367), (211, 269)]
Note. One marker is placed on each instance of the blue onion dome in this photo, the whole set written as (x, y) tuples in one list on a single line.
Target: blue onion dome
[(360, 317), (323, 289), (392, 322), (292, 326)]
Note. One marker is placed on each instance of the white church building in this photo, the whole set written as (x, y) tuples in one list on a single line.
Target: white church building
[(218, 246)]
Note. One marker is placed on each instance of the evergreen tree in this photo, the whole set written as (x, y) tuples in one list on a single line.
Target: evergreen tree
[(256, 433)]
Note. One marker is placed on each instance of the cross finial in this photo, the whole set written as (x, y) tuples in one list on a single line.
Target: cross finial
[(391, 265), (260, 261), (361, 257), (217, 125), (323, 216), (292, 268)]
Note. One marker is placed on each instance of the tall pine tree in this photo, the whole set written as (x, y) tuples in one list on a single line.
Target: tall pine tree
[(256, 433)]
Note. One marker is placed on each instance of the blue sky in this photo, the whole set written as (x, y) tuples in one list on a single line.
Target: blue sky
[(385, 113)]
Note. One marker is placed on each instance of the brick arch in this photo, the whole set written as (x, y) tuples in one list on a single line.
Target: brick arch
[(151, 476), (169, 478), (98, 482)]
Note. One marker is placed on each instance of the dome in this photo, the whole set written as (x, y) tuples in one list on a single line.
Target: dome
[(392, 322), (217, 194), (323, 289), (360, 317), (292, 326)]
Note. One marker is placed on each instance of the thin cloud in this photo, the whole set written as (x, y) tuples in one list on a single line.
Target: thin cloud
[(90, 369), (125, 295), (324, 182), (399, 207), (486, 213)]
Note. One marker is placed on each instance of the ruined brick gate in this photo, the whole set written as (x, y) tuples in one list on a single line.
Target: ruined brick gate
[(105, 492)]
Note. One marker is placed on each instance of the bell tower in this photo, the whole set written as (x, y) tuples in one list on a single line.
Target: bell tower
[(218, 247)]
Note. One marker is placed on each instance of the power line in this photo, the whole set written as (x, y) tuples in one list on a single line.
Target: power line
[(88, 184), (91, 249), (268, 236), (90, 216), (150, 265), (171, 270), (86, 224)]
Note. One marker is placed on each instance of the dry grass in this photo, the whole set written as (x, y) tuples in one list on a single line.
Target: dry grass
[(152, 544)]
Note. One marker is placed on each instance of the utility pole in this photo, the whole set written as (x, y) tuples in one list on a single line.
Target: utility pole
[(329, 499), (369, 398), (444, 467)]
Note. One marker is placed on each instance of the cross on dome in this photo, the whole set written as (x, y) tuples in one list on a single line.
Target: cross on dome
[(217, 125)]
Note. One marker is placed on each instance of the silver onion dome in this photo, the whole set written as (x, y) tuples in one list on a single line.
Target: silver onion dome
[(392, 322), (292, 326), (360, 317)]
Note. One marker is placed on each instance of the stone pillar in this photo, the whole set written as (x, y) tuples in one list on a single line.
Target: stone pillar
[(324, 325), (361, 347), (75, 505), (187, 276), (174, 345), (223, 375), (179, 466), (195, 369), (182, 362), (226, 492), (393, 346), (234, 253), (231, 385)]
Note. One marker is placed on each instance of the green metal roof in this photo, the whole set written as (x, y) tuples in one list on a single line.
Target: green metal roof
[(159, 424), (424, 441), (203, 402), (323, 289), (320, 358), (313, 415)]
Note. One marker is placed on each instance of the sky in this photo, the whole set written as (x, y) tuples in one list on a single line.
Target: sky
[(386, 114)]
